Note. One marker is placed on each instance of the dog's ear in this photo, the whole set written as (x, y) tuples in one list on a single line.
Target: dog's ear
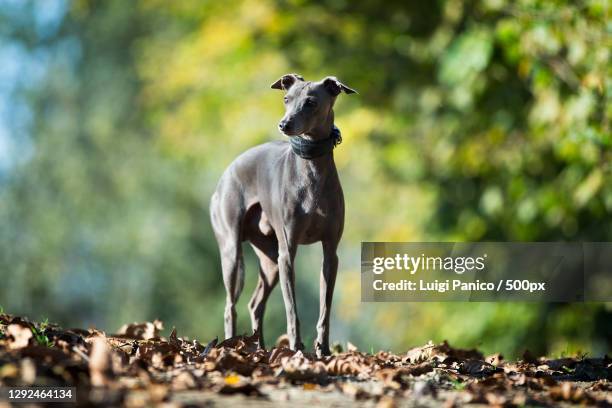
[(286, 81), (334, 86)]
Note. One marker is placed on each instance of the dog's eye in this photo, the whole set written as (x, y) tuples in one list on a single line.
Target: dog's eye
[(311, 102), (286, 99)]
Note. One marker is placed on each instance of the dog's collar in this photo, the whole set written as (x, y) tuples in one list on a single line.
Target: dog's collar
[(311, 149)]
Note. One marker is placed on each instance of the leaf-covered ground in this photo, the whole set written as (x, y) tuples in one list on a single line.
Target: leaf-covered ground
[(137, 367)]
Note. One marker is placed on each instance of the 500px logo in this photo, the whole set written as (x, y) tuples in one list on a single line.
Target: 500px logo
[(412, 264)]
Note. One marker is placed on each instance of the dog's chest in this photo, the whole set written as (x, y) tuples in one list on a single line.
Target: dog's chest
[(313, 196), (313, 204), (310, 199)]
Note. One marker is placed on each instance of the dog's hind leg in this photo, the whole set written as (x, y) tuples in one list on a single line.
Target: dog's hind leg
[(233, 279), (264, 243), (226, 221), (267, 252)]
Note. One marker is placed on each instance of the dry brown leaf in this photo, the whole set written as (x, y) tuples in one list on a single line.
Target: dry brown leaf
[(28, 371), (229, 360), (601, 385), (386, 402), (309, 386), (246, 344), (569, 392), (141, 331), (234, 384), (528, 357), (278, 353), (100, 362), (440, 352), (495, 359), (299, 368), (19, 336), (158, 393), (139, 359), (495, 400), (282, 341), (9, 371), (354, 391), (185, 380), (476, 367)]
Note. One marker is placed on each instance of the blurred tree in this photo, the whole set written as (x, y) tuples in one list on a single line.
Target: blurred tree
[(98, 225)]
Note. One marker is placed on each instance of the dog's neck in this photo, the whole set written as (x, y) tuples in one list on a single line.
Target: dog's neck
[(317, 144), (318, 167), (322, 130)]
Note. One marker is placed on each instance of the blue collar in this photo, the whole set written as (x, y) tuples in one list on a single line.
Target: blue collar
[(311, 149)]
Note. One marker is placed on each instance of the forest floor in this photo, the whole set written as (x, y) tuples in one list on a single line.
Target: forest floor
[(137, 367)]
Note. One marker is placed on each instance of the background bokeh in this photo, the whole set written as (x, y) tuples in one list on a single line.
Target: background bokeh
[(476, 120)]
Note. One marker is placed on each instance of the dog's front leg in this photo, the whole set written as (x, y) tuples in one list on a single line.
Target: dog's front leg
[(286, 259), (326, 288)]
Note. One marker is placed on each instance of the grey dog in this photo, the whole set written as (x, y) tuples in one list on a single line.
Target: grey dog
[(279, 195)]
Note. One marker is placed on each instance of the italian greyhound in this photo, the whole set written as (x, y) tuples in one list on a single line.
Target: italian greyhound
[(279, 195)]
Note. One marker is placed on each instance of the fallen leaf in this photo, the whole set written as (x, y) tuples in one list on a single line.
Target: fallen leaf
[(354, 391), (528, 357), (232, 379), (141, 331), (386, 402), (476, 367), (494, 359), (99, 362), (440, 352), (282, 341), (19, 336)]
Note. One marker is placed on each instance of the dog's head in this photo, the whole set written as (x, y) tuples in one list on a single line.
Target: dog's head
[(307, 104)]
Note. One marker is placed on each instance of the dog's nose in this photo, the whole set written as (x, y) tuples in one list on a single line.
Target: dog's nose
[(282, 125)]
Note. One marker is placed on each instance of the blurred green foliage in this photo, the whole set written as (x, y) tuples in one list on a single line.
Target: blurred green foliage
[(476, 120)]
